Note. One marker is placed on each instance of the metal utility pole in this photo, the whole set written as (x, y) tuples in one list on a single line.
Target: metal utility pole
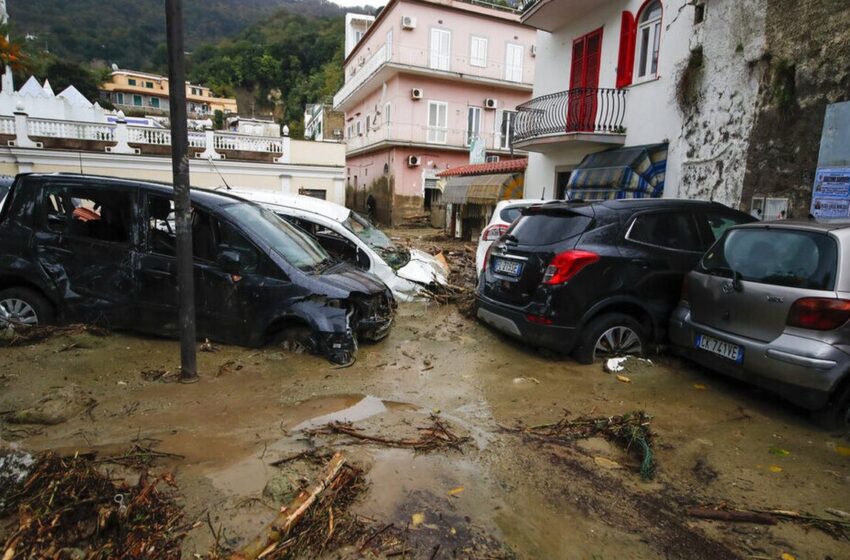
[(182, 207)]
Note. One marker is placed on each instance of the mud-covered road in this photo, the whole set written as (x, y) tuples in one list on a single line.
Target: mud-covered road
[(715, 441)]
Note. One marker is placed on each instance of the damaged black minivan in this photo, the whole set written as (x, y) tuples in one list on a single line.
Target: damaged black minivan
[(102, 250)]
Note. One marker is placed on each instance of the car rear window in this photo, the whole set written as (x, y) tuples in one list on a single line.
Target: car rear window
[(511, 213), (545, 228), (781, 257)]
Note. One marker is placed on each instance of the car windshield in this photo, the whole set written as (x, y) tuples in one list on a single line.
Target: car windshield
[(299, 249), (394, 255), (781, 257)]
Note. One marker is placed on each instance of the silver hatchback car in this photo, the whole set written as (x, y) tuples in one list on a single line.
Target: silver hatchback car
[(769, 304)]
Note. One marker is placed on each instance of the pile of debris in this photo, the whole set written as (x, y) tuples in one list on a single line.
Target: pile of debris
[(436, 436), (630, 431), (68, 508), (23, 335)]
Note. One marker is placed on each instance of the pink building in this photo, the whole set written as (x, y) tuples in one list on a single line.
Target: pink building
[(426, 78)]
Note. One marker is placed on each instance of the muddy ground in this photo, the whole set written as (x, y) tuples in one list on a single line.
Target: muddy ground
[(502, 495)]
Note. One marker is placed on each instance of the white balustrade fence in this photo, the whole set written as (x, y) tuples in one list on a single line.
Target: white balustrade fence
[(106, 132)]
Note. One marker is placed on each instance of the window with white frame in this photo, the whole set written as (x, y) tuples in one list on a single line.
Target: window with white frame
[(648, 41), (504, 128), (119, 98), (359, 130), (438, 122), (473, 124), (441, 49), (478, 51), (138, 100), (513, 62)]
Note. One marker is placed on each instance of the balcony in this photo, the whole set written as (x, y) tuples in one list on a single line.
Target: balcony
[(388, 60), (591, 116), (549, 15), (417, 135)]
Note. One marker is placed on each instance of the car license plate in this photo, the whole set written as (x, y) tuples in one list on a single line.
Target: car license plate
[(509, 268), (726, 349)]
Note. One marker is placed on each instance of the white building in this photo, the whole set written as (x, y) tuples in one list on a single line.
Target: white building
[(616, 72)]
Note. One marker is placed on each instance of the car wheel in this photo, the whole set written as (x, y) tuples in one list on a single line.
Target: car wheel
[(836, 415), (609, 336), (297, 339), (24, 307)]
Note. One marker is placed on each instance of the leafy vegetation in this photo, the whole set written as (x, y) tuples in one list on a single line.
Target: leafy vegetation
[(132, 34)]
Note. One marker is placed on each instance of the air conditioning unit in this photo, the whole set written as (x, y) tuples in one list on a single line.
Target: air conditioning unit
[(490, 103), (533, 50), (416, 93), (408, 22), (414, 161), (492, 159)]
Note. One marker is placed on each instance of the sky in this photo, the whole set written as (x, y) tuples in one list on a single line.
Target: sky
[(349, 3)]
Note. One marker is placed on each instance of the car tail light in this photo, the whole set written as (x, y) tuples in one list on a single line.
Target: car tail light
[(538, 319), (820, 314), (494, 232), (487, 257), (567, 264)]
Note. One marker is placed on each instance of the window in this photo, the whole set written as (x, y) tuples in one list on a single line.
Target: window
[(118, 98), (368, 123), (781, 257), (155, 102), (546, 227), (504, 128), (478, 51), (437, 122), (649, 40), (667, 230), (138, 101), (389, 46), (387, 113), (357, 36), (359, 130), (473, 124), (441, 49), (101, 215), (149, 85), (131, 81), (513, 62)]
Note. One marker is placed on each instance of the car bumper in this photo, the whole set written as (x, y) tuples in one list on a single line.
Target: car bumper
[(803, 370), (512, 322)]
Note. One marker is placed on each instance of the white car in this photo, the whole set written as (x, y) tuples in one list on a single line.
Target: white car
[(503, 216), (347, 235)]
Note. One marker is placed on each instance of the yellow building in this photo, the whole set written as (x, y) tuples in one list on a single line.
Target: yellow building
[(139, 91)]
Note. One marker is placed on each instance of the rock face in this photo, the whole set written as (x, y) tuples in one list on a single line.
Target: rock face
[(54, 408), (807, 69)]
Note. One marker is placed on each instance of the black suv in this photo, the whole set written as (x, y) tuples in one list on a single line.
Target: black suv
[(99, 249), (596, 279)]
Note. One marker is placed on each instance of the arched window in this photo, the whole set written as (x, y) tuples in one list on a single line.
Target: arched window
[(648, 40)]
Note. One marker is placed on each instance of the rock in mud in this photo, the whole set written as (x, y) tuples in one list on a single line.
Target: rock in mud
[(54, 408), (15, 465)]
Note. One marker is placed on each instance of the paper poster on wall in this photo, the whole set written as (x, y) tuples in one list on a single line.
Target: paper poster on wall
[(831, 194)]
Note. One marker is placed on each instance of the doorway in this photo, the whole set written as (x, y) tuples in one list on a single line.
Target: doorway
[(584, 82)]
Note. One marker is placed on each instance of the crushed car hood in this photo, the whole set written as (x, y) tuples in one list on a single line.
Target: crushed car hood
[(346, 277), (424, 269)]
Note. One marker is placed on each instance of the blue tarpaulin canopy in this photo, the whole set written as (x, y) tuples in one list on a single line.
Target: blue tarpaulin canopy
[(634, 172)]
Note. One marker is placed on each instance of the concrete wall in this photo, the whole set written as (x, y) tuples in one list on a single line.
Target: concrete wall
[(276, 177), (806, 66)]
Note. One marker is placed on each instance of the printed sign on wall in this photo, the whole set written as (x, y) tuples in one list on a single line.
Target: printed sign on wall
[(831, 194)]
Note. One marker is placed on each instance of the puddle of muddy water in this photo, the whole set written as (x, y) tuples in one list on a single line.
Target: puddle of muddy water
[(317, 412)]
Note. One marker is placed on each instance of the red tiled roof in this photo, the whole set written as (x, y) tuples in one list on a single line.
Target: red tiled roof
[(504, 166)]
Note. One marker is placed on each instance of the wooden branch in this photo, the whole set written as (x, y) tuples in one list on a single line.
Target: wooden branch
[(289, 516), (732, 515)]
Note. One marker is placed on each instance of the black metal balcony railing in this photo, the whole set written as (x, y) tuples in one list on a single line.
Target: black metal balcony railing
[(591, 110)]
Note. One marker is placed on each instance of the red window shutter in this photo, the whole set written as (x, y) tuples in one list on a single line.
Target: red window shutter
[(626, 59)]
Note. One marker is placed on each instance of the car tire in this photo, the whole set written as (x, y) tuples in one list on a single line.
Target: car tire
[(836, 415), (295, 338), (29, 305), (626, 332)]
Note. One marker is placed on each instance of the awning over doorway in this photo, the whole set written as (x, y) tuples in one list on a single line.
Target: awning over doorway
[(483, 189), (634, 172)]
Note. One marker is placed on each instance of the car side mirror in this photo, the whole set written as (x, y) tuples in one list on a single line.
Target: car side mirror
[(230, 261)]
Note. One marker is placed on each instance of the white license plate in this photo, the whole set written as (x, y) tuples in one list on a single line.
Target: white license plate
[(726, 349), (509, 268)]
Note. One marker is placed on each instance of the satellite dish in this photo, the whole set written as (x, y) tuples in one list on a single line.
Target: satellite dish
[(114, 67)]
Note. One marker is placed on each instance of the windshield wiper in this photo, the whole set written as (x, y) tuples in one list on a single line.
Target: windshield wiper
[(736, 276)]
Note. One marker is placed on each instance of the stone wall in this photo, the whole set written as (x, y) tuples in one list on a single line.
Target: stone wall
[(807, 58)]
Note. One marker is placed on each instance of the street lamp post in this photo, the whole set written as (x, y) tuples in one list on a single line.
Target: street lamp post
[(182, 205)]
